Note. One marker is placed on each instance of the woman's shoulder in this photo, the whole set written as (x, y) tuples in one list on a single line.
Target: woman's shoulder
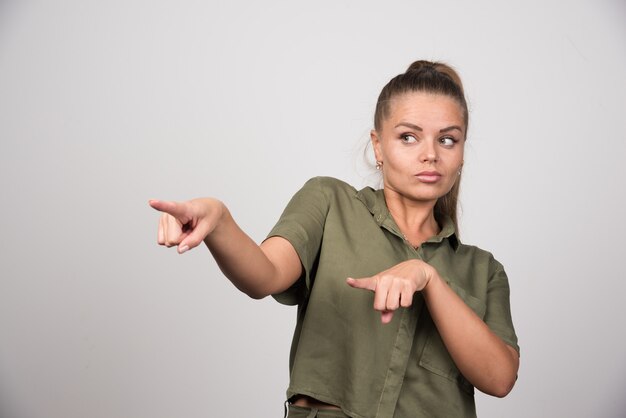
[(330, 185), (479, 255)]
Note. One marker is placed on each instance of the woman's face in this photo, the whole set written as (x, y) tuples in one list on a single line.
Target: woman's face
[(420, 145)]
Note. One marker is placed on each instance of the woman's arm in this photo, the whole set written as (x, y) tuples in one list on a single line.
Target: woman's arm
[(480, 355), (257, 270)]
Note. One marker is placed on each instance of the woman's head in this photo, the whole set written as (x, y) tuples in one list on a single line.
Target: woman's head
[(424, 77), (420, 124)]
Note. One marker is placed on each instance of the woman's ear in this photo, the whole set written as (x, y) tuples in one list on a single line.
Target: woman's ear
[(375, 139)]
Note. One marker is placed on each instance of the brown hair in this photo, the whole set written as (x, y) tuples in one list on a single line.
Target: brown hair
[(428, 77)]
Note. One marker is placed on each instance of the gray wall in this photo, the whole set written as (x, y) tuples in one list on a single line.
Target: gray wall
[(105, 104)]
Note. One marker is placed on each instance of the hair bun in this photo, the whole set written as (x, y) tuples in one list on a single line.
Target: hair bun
[(436, 67), (421, 65)]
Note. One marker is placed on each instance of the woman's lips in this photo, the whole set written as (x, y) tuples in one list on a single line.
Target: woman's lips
[(428, 176)]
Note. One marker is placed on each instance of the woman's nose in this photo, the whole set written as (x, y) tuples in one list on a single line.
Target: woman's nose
[(429, 152)]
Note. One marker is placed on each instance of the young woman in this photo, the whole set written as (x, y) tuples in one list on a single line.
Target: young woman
[(396, 317)]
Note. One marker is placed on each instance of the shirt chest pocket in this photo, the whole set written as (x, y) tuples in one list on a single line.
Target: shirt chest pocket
[(435, 357)]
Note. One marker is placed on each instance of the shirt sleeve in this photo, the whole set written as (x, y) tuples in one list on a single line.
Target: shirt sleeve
[(498, 312), (302, 224)]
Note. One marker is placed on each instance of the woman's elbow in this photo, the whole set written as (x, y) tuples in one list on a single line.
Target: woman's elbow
[(502, 389), (504, 384), (500, 386), (256, 295), (254, 292)]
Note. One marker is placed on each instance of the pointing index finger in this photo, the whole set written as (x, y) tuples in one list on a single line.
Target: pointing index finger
[(173, 208), (163, 206), (367, 283)]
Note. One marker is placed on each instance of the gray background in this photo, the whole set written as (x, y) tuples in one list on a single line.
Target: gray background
[(105, 104)]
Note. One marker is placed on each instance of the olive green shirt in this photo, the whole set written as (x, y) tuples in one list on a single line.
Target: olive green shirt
[(341, 352)]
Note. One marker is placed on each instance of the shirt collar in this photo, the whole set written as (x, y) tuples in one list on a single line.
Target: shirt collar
[(374, 201)]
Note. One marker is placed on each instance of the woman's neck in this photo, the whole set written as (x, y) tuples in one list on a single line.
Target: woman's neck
[(416, 219)]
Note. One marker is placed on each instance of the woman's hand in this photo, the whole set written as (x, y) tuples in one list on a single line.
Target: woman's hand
[(187, 224), (480, 355), (394, 288), (256, 270)]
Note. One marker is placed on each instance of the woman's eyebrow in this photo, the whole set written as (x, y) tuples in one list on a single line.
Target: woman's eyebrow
[(409, 125), (418, 128), (451, 128)]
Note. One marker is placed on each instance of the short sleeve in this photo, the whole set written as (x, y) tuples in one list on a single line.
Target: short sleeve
[(498, 312), (302, 224)]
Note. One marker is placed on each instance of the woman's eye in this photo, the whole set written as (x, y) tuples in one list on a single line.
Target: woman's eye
[(408, 138), (447, 141)]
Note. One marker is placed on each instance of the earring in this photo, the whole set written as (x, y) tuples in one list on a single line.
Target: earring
[(379, 165), (458, 173)]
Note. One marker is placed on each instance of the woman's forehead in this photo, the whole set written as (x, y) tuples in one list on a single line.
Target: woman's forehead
[(426, 107)]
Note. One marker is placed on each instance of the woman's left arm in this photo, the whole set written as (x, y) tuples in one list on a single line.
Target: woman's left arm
[(480, 355)]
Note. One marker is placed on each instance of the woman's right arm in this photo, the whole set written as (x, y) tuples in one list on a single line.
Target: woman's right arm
[(257, 270)]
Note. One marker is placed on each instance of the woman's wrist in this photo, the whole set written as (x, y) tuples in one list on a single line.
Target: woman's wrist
[(434, 280), (216, 215)]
